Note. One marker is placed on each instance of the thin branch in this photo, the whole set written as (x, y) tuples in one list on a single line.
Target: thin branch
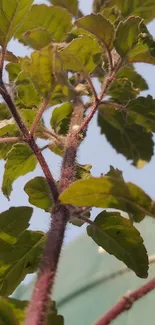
[(52, 134), (3, 51), (41, 111), (12, 140), (114, 105), (91, 85), (126, 302)]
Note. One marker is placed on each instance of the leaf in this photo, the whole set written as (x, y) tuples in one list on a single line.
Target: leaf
[(20, 161), (7, 126), (7, 315), (70, 5), (141, 53), (18, 307), (10, 57), (109, 192), (142, 111), (20, 259), (127, 35), (4, 112), (53, 317), (11, 15), (39, 69), (4, 149), (124, 135), (137, 80), (13, 222), (99, 26), (57, 21), (82, 54), (83, 171), (142, 8), (39, 193), (38, 38), (61, 117), (122, 90), (120, 238)]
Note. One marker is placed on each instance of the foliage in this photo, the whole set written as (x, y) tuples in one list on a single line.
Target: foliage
[(69, 53)]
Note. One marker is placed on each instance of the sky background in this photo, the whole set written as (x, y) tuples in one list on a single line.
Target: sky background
[(94, 150)]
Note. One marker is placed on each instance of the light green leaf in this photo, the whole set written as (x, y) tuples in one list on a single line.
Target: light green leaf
[(39, 69), (142, 8), (99, 26), (82, 54), (12, 14), (20, 259), (57, 21), (38, 38), (141, 53), (7, 127), (4, 149), (20, 161), (61, 117), (109, 192), (83, 171), (70, 5), (18, 307), (39, 193), (126, 137), (7, 315), (13, 222), (120, 238), (127, 35)]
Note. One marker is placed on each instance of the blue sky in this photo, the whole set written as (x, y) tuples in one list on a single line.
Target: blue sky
[(94, 150)]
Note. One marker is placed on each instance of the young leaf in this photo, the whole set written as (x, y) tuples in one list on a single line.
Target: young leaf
[(39, 69), (120, 238), (126, 137), (127, 35), (57, 21), (20, 161), (39, 193), (20, 259), (12, 14), (61, 117), (99, 26), (13, 222), (109, 192), (82, 54)]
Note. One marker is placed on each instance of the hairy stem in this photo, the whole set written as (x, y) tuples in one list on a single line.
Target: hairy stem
[(38, 308), (12, 140), (126, 302)]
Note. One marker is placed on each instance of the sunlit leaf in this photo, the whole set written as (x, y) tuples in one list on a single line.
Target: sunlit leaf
[(20, 161), (38, 38), (120, 238), (39, 193), (61, 117), (70, 5)]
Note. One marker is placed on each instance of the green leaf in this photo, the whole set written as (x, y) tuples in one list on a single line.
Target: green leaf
[(124, 135), (7, 126), (13, 69), (7, 315), (142, 112), (20, 161), (141, 53), (39, 69), (53, 317), (122, 90), (109, 192), (83, 171), (82, 54), (99, 26), (12, 14), (61, 117), (10, 57), (4, 149), (70, 5), (20, 259), (127, 35), (137, 80), (120, 238), (39, 193), (57, 21), (142, 8), (4, 112), (13, 222), (38, 38), (18, 307)]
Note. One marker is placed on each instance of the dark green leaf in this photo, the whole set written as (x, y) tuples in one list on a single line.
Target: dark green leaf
[(122, 90), (61, 117), (13, 222), (109, 192), (125, 136), (70, 5), (99, 26), (57, 21), (7, 315), (142, 8), (10, 57), (53, 317), (120, 238), (20, 259), (12, 14), (82, 54), (39, 193), (18, 307), (4, 112), (127, 35), (137, 80), (20, 161)]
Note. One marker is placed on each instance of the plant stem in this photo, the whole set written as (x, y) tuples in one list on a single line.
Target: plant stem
[(126, 302), (38, 308), (12, 140), (39, 115)]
